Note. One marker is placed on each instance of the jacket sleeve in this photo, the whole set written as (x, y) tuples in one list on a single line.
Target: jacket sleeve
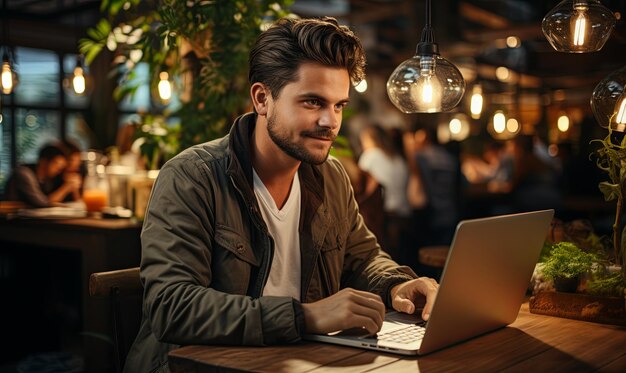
[(366, 265), (179, 302)]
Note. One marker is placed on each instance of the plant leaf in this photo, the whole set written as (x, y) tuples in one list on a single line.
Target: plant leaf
[(610, 191)]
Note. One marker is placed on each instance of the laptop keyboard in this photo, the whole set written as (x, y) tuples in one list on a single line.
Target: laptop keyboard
[(410, 334)]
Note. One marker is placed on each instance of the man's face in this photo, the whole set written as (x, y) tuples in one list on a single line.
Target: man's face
[(56, 165), (306, 117)]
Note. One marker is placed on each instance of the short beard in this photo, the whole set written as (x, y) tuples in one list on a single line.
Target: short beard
[(293, 149)]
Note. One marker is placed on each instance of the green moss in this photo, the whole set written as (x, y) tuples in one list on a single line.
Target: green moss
[(568, 261)]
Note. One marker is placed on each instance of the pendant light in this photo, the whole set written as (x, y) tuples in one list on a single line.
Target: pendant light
[(8, 76), (78, 83), (608, 101), (164, 87), (578, 26), (476, 101), (427, 82)]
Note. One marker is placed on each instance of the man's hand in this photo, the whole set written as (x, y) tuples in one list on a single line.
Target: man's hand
[(404, 296), (346, 309)]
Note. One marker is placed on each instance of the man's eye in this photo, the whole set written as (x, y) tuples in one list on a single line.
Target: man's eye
[(313, 102), (340, 106)]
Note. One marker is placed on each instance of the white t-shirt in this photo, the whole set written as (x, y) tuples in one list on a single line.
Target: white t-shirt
[(284, 278), (392, 174)]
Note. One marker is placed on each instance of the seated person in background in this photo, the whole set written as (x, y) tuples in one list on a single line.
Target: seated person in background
[(74, 167), (256, 238), (34, 184)]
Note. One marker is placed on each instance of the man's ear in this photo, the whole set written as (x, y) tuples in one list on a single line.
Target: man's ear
[(260, 95)]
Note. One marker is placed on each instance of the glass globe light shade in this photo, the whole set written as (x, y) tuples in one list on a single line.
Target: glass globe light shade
[(426, 84), (576, 26), (608, 101)]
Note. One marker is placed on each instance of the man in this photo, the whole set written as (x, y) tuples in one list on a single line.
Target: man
[(255, 238), (36, 184)]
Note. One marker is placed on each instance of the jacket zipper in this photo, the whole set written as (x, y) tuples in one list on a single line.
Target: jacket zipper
[(325, 278), (267, 260)]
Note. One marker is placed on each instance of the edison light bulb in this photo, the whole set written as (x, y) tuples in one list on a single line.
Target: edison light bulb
[(579, 23), (563, 123), (165, 87), (78, 81), (427, 90), (455, 126), (499, 122), (620, 113), (7, 78), (476, 103)]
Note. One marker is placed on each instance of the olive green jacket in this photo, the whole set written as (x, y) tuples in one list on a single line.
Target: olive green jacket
[(206, 252)]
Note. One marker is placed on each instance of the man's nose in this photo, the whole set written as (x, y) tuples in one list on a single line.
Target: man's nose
[(329, 118)]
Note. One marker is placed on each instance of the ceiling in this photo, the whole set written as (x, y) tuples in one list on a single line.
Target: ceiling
[(75, 13), (471, 33)]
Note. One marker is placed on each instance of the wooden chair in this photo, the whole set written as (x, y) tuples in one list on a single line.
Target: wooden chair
[(124, 290)]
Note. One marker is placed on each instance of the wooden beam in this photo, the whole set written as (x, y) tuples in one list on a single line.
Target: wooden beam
[(482, 16)]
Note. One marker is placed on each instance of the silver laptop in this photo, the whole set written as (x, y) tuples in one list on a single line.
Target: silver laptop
[(482, 286)]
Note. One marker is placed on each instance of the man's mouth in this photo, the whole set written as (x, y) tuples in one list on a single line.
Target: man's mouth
[(321, 135)]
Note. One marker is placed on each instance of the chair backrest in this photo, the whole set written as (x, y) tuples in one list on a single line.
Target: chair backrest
[(124, 290)]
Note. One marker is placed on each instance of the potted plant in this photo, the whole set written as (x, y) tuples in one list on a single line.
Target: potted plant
[(565, 264), (202, 46), (611, 158)]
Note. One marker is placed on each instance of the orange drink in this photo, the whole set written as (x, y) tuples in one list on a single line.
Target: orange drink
[(95, 199)]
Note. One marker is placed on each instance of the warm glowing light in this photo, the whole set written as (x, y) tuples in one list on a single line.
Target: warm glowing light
[(563, 123), (6, 78), (502, 73), (165, 87), (427, 91), (512, 125), (455, 126), (579, 28), (361, 87), (512, 42), (499, 122), (78, 81), (620, 110), (476, 103)]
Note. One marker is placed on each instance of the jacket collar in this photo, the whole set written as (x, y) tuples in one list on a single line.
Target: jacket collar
[(240, 166)]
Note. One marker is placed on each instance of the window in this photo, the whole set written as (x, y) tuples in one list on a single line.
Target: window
[(34, 113)]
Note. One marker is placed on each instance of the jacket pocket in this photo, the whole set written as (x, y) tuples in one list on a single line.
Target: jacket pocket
[(235, 243), (232, 260), (332, 256)]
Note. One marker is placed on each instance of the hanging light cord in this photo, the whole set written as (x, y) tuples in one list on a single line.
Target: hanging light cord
[(427, 44)]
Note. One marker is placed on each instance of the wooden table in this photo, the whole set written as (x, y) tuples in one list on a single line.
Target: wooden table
[(533, 343), (103, 244)]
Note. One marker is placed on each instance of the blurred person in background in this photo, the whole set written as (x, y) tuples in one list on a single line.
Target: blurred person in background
[(535, 183), (440, 175), (35, 184), (74, 168), (384, 161)]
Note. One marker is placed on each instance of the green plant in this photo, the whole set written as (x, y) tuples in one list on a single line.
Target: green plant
[(611, 158), (160, 141), (606, 284), (204, 44), (566, 260)]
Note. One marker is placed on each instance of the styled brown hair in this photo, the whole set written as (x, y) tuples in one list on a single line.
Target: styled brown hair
[(279, 51)]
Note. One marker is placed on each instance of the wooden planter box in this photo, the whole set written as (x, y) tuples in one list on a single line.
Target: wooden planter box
[(604, 310)]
